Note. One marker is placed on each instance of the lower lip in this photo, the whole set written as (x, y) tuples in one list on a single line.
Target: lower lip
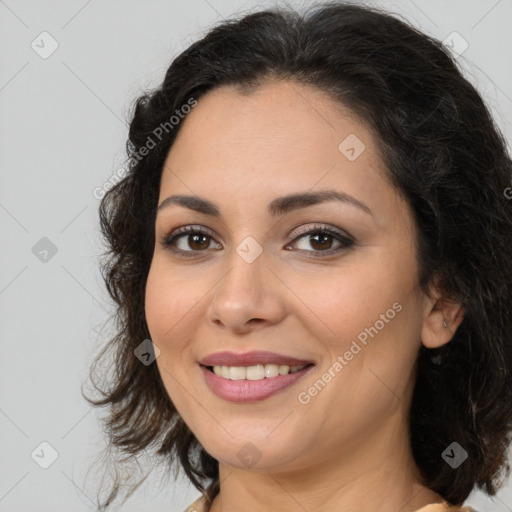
[(245, 391)]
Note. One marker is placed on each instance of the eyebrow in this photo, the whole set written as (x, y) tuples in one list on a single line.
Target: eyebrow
[(277, 207)]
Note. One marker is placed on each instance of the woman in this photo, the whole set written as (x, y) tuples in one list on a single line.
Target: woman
[(310, 258)]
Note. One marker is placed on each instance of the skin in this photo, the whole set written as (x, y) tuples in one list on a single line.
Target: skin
[(348, 448)]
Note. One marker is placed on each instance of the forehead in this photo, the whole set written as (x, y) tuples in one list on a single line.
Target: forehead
[(267, 127), (276, 139), (282, 117)]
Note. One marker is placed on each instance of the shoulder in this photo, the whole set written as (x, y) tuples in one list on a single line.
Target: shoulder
[(445, 507), (199, 505)]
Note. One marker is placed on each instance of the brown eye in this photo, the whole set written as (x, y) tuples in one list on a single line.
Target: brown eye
[(197, 242), (319, 241), (189, 240)]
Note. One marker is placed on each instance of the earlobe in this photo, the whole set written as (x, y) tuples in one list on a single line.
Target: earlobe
[(441, 322)]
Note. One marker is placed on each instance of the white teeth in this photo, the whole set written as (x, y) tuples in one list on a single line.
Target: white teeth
[(236, 373), (284, 369), (272, 370), (256, 372)]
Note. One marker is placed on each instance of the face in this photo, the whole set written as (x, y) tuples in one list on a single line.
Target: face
[(331, 281)]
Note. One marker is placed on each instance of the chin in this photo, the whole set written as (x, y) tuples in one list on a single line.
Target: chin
[(253, 452)]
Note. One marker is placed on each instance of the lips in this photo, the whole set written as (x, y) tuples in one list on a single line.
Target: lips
[(251, 358), (252, 391)]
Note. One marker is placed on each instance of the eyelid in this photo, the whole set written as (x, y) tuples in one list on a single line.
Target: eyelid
[(303, 230), (182, 231), (344, 239)]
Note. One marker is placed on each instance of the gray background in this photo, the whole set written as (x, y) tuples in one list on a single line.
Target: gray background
[(63, 126)]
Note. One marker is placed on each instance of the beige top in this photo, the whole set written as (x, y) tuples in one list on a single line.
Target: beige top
[(200, 505)]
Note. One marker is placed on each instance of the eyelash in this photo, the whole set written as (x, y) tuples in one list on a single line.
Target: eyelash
[(345, 241)]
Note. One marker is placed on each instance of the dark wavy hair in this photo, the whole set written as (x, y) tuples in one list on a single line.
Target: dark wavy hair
[(445, 156)]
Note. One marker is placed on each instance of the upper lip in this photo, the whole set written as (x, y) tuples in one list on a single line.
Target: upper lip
[(250, 359)]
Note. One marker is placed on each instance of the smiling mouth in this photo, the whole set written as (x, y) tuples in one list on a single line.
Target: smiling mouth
[(255, 372)]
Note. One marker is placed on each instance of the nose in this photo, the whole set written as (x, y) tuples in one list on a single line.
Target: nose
[(248, 296)]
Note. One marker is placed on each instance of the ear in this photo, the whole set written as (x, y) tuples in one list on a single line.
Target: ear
[(437, 311)]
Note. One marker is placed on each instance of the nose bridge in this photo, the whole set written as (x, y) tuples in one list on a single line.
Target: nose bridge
[(245, 292), (246, 264)]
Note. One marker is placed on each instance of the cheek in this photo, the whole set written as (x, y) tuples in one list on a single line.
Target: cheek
[(342, 302), (367, 313), (169, 308), (157, 298), (368, 319)]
